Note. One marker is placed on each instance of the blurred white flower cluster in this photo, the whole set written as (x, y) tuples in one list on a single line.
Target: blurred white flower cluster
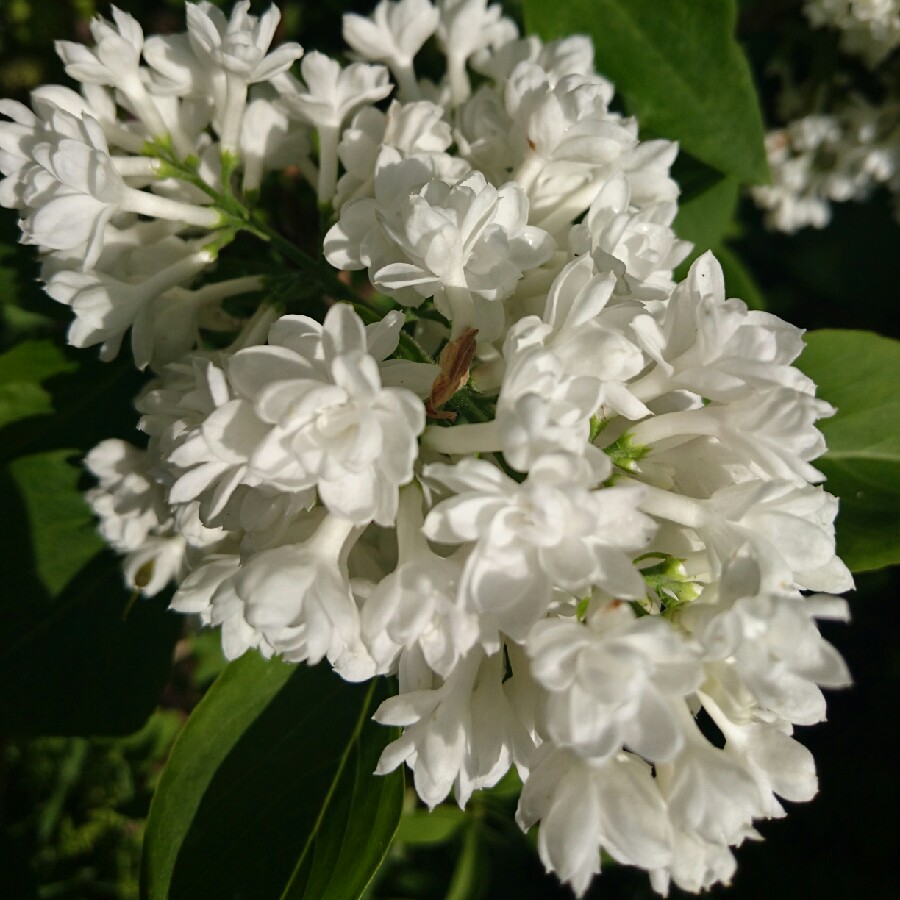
[(869, 28), (837, 143), (830, 157), (569, 503)]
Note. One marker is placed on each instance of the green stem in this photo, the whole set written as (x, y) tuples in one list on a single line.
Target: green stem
[(428, 313), (242, 218), (411, 349), (324, 275), (466, 875), (515, 474), (463, 405)]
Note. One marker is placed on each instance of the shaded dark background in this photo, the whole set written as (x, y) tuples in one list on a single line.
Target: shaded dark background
[(845, 842)]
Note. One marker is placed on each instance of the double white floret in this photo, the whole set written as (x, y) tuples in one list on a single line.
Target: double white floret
[(393, 35), (307, 410), (465, 244)]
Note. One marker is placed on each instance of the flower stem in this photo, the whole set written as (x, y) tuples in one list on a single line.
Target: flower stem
[(157, 207)]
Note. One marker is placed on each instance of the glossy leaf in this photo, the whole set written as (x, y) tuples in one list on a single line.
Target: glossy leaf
[(705, 208), (356, 828), (423, 828), (738, 280), (71, 660), (24, 308), (77, 664), (62, 528), (75, 406), (469, 876), (679, 68), (22, 370), (856, 371), (269, 791)]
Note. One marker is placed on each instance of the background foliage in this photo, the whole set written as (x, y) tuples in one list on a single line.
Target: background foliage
[(90, 703)]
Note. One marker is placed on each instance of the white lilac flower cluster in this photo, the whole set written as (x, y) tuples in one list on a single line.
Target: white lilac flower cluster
[(570, 504), (869, 29), (844, 153), (840, 139)]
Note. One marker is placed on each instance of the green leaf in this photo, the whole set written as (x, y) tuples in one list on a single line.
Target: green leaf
[(706, 208), (62, 528), (856, 371), (424, 828), (22, 370), (24, 308), (508, 787), (269, 791), (469, 877), (356, 826), (71, 662), (738, 280), (78, 666), (679, 68), (76, 407)]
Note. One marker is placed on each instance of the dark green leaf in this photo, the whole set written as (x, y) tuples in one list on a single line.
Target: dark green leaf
[(679, 68), (61, 526), (242, 693), (508, 787), (738, 280), (469, 877), (856, 371), (77, 406), (357, 823), (269, 791), (24, 308), (868, 524), (421, 828), (70, 662), (706, 208), (22, 370), (75, 664)]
